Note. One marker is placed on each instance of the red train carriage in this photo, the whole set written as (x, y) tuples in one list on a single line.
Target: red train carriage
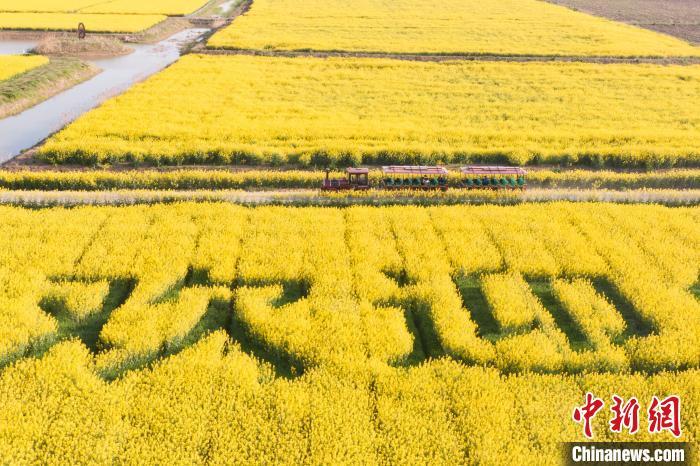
[(493, 177), (357, 178), (414, 177)]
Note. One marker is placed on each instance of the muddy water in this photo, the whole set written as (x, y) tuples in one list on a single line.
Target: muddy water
[(226, 7), (16, 47), (32, 126)]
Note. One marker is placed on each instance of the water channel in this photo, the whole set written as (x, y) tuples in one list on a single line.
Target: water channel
[(27, 129)]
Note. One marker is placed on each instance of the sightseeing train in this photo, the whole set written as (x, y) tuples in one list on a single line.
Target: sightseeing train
[(429, 178)]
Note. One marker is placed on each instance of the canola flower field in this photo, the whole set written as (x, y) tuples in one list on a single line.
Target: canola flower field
[(212, 333), (70, 21), (344, 111), (107, 16), (474, 27), (161, 7), (152, 7), (12, 65)]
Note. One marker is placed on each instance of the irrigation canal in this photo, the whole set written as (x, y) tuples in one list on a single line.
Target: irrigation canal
[(27, 129)]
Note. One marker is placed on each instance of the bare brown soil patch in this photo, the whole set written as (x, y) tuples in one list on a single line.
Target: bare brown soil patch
[(691, 33), (679, 18)]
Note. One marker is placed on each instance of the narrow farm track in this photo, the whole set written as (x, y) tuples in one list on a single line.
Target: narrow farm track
[(202, 49), (311, 197)]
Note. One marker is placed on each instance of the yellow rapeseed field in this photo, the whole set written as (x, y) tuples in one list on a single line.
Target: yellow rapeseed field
[(160, 7), (44, 6), (502, 27), (151, 7), (70, 21), (365, 335), (253, 110), (11, 65)]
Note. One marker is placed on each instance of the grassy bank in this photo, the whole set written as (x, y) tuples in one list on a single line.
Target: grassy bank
[(28, 89), (93, 46)]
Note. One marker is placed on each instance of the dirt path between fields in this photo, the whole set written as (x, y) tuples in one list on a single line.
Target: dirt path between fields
[(316, 198), (202, 49)]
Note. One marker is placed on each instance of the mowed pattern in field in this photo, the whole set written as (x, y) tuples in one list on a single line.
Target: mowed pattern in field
[(502, 27), (13, 65), (307, 110), (348, 270), (384, 335)]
